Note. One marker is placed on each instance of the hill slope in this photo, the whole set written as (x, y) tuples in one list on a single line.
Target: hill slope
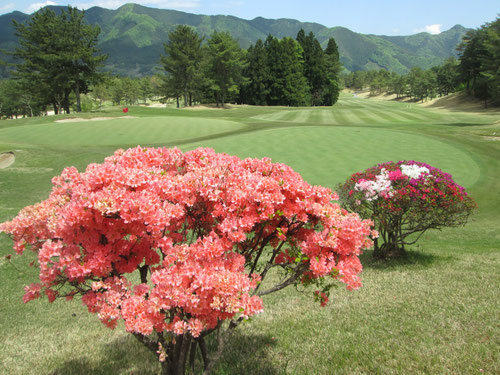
[(133, 35)]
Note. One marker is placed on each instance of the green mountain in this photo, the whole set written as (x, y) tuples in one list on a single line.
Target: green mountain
[(133, 36)]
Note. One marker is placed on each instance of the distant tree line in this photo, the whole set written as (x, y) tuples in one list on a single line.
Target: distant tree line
[(417, 84), (479, 68), (271, 72), (476, 72), (58, 61)]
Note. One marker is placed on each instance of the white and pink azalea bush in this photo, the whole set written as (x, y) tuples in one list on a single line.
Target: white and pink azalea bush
[(173, 244), (403, 199)]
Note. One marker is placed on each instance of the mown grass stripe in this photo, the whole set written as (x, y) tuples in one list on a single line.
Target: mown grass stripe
[(417, 117), (328, 117), (366, 117), (350, 117), (385, 116), (340, 117), (418, 315), (400, 115)]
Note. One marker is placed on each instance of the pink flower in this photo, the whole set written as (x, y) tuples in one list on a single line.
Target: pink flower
[(179, 232)]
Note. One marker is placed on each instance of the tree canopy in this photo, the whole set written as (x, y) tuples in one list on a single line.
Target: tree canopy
[(479, 55), (182, 62), (57, 56)]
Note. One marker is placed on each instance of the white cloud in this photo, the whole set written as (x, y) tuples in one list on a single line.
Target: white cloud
[(431, 29), (35, 6), (7, 7)]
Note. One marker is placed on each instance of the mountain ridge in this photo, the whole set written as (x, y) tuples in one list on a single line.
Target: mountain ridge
[(133, 37)]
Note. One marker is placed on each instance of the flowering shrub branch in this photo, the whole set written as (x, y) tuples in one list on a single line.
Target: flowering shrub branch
[(404, 199), (200, 231)]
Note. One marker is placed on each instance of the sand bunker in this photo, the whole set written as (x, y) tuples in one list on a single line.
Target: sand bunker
[(214, 106), (492, 138), (155, 105), (7, 159), (78, 119)]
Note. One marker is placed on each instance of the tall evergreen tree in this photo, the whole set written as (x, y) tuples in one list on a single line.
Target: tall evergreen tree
[(226, 62), (288, 85), (447, 76), (58, 55), (491, 65), (472, 55), (321, 68), (274, 82), (182, 62), (256, 89), (333, 68), (314, 66)]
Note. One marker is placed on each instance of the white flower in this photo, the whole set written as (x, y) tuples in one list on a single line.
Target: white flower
[(413, 171), (373, 189)]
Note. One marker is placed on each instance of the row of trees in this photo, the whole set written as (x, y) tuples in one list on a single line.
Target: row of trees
[(476, 71), (292, 72), (480, 61), (272, 72), (418, 84), (17, 101), (59, 61)]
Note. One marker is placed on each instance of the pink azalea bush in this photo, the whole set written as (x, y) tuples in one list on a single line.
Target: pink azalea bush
[(173, 244), (404, 199)]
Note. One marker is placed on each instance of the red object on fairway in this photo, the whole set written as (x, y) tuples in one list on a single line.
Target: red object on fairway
[(125, 110)]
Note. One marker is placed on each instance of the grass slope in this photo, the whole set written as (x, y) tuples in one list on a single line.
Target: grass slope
[(436, 312)]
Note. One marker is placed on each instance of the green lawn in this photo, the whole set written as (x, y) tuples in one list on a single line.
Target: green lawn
[(437, 312)]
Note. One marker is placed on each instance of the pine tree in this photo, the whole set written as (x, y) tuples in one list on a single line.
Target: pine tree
[(333, 68), (288, 83), (58, 56), (182, 62), (226, 62), (314, 66), (256, 90)]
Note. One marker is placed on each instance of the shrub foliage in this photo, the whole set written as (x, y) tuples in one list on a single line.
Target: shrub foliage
[(173, 244), (405, 199)]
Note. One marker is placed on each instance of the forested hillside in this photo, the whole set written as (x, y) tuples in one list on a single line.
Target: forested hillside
[(133, 37)]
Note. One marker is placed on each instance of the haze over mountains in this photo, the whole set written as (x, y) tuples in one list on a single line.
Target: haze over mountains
[(133, 36)]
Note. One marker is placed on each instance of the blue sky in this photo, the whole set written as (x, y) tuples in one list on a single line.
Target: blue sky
[(383, 17)]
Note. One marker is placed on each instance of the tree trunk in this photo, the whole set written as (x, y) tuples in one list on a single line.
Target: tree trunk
[(66, 101), (77, 94), (391, 248), (180, 354), (177, 101)]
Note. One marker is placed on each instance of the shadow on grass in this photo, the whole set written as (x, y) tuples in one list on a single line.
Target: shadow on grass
[(122, 355), (411, 259), (244, 354), (462, 124), (247, 354)]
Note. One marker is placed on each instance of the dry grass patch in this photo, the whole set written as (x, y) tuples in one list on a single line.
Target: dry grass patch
[(7, 159)]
